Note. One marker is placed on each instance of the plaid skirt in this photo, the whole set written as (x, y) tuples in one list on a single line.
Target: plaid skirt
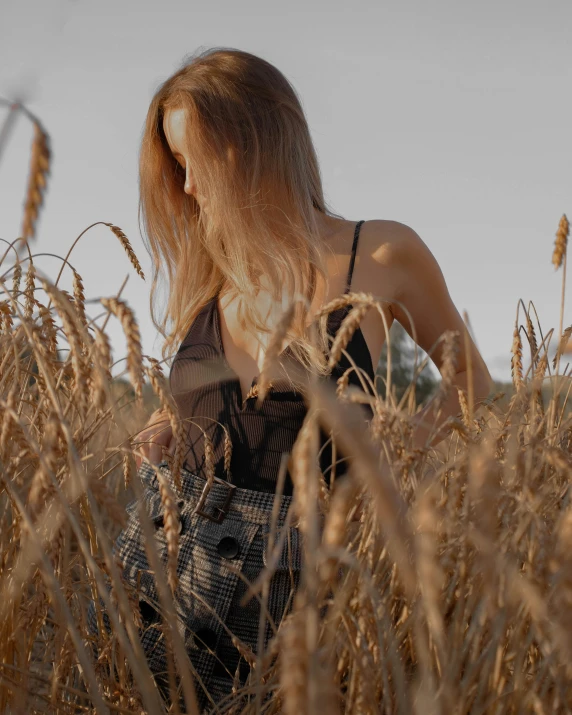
[(229, 532)]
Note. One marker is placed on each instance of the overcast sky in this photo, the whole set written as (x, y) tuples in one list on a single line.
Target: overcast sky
[(452, 117)]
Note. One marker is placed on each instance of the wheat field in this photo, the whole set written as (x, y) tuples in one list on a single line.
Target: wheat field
[(448, 591)]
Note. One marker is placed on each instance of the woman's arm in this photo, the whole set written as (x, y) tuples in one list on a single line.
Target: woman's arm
[(422, 294)]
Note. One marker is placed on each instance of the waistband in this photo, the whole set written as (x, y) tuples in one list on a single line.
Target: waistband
[(221, 499)]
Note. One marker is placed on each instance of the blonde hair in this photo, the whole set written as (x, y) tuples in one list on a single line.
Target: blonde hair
[(253, 157)]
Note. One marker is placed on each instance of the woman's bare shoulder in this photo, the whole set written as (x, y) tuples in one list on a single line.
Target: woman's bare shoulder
[(388, 240), (384, 246), (381, 245)]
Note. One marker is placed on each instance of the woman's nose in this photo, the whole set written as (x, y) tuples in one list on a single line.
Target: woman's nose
[(190, 186)]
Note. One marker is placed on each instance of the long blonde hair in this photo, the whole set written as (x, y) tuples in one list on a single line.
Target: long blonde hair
[(253, 157)]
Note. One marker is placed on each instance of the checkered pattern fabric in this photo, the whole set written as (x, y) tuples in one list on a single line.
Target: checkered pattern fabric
[(209, 589)]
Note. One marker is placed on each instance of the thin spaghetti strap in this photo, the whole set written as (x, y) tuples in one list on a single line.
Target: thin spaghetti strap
[(353, 258)]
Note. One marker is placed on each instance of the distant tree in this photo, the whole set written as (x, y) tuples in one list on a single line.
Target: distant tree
[(402, 367), (28, 360)]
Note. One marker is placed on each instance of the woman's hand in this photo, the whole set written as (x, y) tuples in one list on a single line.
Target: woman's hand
[(154, 439)]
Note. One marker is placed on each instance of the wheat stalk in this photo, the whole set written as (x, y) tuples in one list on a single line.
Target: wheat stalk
[(155, 375), (77, 351), (79, 297), (346, 330), (16, 278), (171, 524), (227, 450), (29, 290), (102, 356), (125, 316), (294, 662), (451, 345)]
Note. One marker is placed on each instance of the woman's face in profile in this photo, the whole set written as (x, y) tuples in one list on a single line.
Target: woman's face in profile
[(174, 126)]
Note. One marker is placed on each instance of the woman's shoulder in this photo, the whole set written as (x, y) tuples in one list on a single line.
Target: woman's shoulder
[(378, 238), (388, 239), (384, 249), (397, 245)]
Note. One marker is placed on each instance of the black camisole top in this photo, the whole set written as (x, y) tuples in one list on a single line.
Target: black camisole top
[(259, 436)]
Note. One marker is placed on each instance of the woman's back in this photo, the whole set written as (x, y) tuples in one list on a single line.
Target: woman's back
[(258, 435)]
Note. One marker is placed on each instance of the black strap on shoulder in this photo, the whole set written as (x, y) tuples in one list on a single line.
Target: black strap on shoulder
[(353, 258)]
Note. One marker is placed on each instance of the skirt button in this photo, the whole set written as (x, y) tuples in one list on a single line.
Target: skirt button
[(205, 638), (228, 547), (160, 523)]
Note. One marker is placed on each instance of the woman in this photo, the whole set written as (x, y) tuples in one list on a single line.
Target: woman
[(233, 208)]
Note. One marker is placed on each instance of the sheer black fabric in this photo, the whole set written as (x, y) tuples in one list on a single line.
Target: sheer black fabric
[(259, 436)]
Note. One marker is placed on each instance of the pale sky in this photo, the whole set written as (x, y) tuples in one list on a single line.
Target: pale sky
[(451, 117)]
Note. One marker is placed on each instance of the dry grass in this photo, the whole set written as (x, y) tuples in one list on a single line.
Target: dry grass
[(451, 593)]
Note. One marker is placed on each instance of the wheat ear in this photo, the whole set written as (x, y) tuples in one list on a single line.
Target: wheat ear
[(516, 360), (128, 248), (171, 525), (562, 234), (39, 169), (177, 428), (125, 316)]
